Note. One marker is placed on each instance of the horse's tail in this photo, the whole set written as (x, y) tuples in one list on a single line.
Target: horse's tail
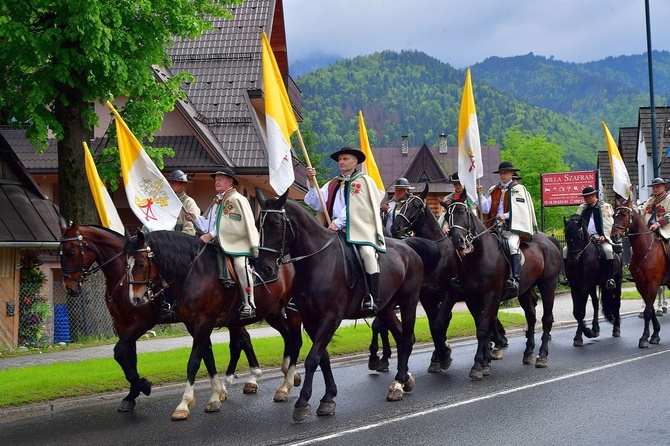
[(428, 250), (609, 304)]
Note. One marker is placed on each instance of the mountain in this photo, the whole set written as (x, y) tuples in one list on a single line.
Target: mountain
[(411, 93), (311, 62)]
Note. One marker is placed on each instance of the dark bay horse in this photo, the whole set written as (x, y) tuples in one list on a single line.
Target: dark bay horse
[(83, 246), (586, 272), (649, 264), (327, 289), (187, 268), (483, 272), (438, 296)]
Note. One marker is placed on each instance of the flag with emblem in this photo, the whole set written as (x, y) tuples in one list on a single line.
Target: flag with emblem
[(149, 194), (109, 217), (620, 179), (469, 147)]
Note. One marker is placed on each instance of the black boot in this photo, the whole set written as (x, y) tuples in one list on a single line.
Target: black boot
[(224, 272), (371, 300), (512, 284), (609, 267)]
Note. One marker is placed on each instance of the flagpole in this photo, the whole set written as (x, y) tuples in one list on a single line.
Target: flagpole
[(314, 180)]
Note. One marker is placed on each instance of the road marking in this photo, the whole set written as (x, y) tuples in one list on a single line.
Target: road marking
[(470, 401)]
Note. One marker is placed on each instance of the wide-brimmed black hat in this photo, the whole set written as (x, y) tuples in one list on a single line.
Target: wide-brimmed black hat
[(227, 171), (360, 156), (506, 165), (655, 181), (588, 190), (453, 178), (179, 176)]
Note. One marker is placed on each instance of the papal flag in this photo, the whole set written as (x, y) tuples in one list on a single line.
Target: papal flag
[(620, 179), (149, 194), (280, 122), (369, 165), (109, 217), (469, 147)]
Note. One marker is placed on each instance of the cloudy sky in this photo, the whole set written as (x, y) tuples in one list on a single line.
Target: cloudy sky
[(465, 32)]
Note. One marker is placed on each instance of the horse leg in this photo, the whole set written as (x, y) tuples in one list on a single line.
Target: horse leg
[(373, 359), (595, 325), (375, 362), (200, 343), (240, 341), (547, 292), (289, 328), (219, 392), (439, 324), (404, 337), (499, 340), (579, 298), (235, 349), (528, 305), (386, 351), (327, 404), (483, 321), (125, 354)]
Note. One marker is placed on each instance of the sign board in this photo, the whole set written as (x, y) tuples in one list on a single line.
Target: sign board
[(565, 188)]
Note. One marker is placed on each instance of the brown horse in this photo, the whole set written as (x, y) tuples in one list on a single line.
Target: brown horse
[(83, 246), (168, 261), (328, 288), (649, 263), (483, 273)]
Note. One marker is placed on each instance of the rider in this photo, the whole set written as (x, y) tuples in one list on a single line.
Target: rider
[(178, 180), (352, 201), (390, 209), (510, 203), (599, 218), (656, 210), (457, 195), (230, 220)]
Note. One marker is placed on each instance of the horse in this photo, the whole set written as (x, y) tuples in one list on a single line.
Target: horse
[(184, 265), (484, 270), (649, 263), (82, 246), (438, 296), (322, 259), (586, 272)]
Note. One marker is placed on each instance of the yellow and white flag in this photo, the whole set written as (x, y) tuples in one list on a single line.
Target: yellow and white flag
[(369, 165), (280, 122), (109, 217), (620, 179), (470, 166), (149, 194)]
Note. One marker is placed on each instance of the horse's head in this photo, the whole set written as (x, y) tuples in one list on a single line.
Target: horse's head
[(576, 235), (461, 226), (410, 215), (143, 276), (76, 257), (276, 233), (624, 220)]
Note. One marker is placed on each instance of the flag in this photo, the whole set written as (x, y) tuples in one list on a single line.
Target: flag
[(280, 122), (469, 147), (149, 194), (642, 192), (620, 179), (109, 217), (369, 165)]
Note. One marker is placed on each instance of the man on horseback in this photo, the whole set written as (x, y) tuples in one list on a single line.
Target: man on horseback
[(230, 220), (656, 210), (178, 180), (459, 194), (400, 195), (599, 218), (352, 201), (509, 203)]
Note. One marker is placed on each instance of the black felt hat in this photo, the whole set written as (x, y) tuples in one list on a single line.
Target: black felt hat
[(360, 156), (227, 171), (506, 165)]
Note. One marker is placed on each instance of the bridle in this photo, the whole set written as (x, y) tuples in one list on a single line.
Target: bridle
[(84, 272), (414, 220), (576, 253), (151, 281)]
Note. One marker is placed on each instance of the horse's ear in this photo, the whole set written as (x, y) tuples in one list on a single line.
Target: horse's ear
[(63, 224), (424, 194), (565, 222), (443, 204), (141, 238), (282, 199), (260, 196)]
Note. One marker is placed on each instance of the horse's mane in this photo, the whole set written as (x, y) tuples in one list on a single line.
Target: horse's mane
[(176, 252), (573, 225)]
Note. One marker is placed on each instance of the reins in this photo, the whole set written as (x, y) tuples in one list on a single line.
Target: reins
[(84, 272)]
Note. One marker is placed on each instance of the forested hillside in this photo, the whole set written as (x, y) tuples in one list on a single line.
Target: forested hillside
[(411, 93)]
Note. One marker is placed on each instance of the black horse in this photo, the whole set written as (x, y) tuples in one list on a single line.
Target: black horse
[(484, 271), (328, 288), (586, 272)]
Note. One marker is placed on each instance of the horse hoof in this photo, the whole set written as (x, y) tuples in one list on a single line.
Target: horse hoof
[(643, 343), (281, 396), (396, 392), (250, 389), (373, 364), (541, 363), (444, 365), (577, 342), (383, 366), (297, 379), (529, 358), (659, 312), (126, 406), (616, 333), (326, 409), (476, 375), (214, 406), (145, 386), (409, 385), (486, 370), (496, 354), (655, 340), (302, 413), (434, 367), (179, 415), (588, 333), (596, 333), (640, 314)]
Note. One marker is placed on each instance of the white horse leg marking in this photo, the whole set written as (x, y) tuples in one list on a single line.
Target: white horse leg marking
[(187, 401), (285, 389)]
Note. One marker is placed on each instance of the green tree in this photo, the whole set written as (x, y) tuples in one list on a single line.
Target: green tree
[(534, 155), (59, 57)]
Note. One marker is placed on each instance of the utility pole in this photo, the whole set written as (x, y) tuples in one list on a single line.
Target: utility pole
[(654, 150)]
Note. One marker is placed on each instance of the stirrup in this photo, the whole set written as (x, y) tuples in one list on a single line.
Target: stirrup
[(368, 303), (512, 286), (247, 312), (290, 305), (228, 283), (610, 285)]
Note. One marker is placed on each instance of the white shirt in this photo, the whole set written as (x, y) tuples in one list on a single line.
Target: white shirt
[(339, 216), (486, 203), (207, 223)]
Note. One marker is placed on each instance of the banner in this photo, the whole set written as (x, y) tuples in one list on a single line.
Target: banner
[(109, 217), (470, 167), (620, 179)]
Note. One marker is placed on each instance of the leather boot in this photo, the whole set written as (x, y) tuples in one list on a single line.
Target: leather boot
[(371, 300), (223, 271), (512, 284), (609, 267)]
